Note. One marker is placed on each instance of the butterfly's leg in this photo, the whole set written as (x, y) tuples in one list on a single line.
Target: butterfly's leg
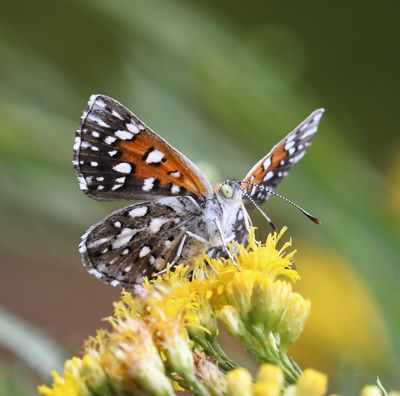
[(221, 234), (180, 248), (178, 254)]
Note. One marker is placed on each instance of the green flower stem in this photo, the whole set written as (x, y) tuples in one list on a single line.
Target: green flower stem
[(194, 385), (270, 353), (213, 349), (228, 363)]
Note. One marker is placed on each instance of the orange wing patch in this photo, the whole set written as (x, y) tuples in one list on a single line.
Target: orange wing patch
[(152, 158), (277, 155)]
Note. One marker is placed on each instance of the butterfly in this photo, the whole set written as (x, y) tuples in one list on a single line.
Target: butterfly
[(118, 157)]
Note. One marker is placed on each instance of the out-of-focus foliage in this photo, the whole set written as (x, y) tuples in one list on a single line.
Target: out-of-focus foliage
[(222, 82)]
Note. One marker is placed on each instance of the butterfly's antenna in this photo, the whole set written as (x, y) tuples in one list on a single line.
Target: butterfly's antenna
[(260, 210), (262, 188)]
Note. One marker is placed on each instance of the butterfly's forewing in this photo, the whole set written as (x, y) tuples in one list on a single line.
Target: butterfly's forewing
[(139, 240), (118, 157), (270, 170)]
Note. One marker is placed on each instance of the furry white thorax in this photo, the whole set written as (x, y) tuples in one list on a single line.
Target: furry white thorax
[(226, 211)]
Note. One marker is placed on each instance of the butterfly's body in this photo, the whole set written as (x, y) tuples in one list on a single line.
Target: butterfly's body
[(118, 157)]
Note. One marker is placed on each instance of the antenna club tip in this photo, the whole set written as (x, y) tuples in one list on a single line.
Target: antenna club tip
[(315, 220)]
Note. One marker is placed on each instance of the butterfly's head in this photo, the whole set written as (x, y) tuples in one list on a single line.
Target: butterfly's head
[(229, 190)]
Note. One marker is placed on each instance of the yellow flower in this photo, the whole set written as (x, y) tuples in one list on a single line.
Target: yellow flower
[(130, 359), (239, 383), (293, 319), (371, 390), (311, 383), (270, 372), (269, 382), (231, 319), (71, 385), (266, 388)]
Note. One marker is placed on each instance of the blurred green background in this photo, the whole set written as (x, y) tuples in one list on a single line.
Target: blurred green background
[(223, 82)]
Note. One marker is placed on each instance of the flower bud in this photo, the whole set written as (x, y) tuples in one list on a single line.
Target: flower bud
[(230, 317), (371, 390), (239, 382), (240, 290), (293, 319), (179, 354), (266, 388), (272, 373), (311, 383)]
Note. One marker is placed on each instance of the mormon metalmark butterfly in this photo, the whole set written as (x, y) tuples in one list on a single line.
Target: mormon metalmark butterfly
[(117, 156)]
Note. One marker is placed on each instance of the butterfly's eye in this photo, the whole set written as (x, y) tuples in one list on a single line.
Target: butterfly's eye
[(226, 191)]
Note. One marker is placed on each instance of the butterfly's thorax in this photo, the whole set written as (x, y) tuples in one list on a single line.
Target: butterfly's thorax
[(226, 212)]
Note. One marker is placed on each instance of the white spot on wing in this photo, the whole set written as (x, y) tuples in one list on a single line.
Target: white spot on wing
[(98, 242), (116, 114), (308, 133), (175, 189), (148, 184), (115, 282), (144, 251), (95, 134), (154, 157), (156, 224), (138, 212), (123, 167), (267, 163), (110, 139), (100, 103), (124, 237), (82, 247), (112, 153), (97, 274), (94, 163), (124, 135), (175, 174), (91, 100), (77, 143), (268, 176), (82, 183), (132, 128), (289, 145), (98, 120)]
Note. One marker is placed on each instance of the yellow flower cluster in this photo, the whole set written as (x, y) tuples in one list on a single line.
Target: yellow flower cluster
[(270, 382), (163, 336)]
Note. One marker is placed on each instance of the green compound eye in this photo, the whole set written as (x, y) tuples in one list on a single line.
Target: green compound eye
[(226, 191)]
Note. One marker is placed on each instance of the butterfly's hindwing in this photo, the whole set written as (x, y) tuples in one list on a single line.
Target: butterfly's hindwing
[(270, 170), (139, 240), (118, 157)]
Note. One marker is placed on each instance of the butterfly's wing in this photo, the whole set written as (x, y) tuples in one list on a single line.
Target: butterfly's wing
[(139, 240), (117, 156), (271, 169)]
